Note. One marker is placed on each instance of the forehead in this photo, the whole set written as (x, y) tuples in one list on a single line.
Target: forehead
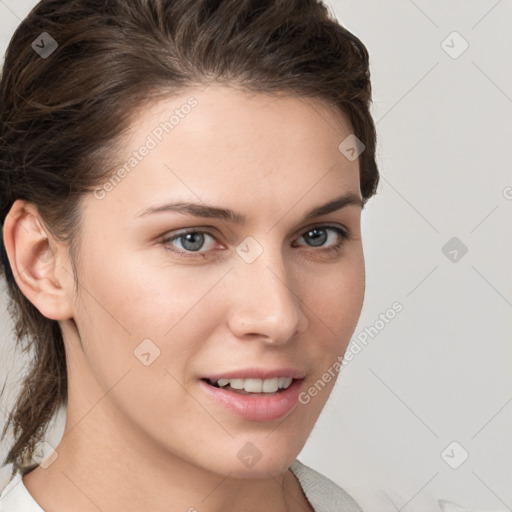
[(224, 145)]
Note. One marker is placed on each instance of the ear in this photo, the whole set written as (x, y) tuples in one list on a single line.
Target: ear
[(36, 260)]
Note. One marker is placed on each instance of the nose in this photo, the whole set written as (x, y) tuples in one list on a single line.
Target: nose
[(264, 302)]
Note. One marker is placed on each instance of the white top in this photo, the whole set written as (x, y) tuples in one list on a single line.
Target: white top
[(323, 494)]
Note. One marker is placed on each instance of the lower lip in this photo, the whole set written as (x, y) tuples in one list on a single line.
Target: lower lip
[(257, 407)]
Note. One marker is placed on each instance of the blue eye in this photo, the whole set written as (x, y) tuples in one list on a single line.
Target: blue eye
[(318, 235), (193, 241)]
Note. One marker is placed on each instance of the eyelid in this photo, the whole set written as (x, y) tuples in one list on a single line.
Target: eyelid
[(326, 225), (168, 238), (343, 233)]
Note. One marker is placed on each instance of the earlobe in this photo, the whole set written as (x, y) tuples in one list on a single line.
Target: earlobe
[(34, 257)]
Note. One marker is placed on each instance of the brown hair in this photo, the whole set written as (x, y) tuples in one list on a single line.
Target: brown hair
[(61, 115)]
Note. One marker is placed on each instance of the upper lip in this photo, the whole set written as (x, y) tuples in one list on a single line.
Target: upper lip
[(258, 373)]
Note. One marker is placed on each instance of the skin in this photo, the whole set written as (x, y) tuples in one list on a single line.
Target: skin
[(147, 437)]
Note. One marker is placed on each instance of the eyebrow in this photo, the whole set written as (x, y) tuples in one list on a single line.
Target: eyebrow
[(215, 212)]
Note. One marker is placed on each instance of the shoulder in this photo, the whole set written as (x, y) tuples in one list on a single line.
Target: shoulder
[(15, 497), (323, 494)]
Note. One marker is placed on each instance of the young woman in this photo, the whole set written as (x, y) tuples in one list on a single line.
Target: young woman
[(181, 192)]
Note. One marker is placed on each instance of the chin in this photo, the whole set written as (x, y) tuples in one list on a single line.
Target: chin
[(259, 471), (263, 462)]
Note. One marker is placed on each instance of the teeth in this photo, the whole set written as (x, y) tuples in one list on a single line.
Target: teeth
[(270, 385), (284, 382), (257, 385)]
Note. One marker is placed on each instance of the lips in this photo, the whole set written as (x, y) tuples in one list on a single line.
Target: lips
[(257, 373), (255, 406)]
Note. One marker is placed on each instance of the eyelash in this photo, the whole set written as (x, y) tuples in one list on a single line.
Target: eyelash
[(344, 236)]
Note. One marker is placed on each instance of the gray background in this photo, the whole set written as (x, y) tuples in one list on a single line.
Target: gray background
[(439, 372)]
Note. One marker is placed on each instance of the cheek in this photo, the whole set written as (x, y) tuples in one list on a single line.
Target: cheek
[(143, 299), (335, 309), (143, 328), (144, 293), (336, 296)]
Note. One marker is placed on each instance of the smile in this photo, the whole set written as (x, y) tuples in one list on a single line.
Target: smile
[(254, 399)]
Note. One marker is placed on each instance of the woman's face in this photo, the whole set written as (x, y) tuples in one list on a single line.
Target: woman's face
[(257, 293)]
